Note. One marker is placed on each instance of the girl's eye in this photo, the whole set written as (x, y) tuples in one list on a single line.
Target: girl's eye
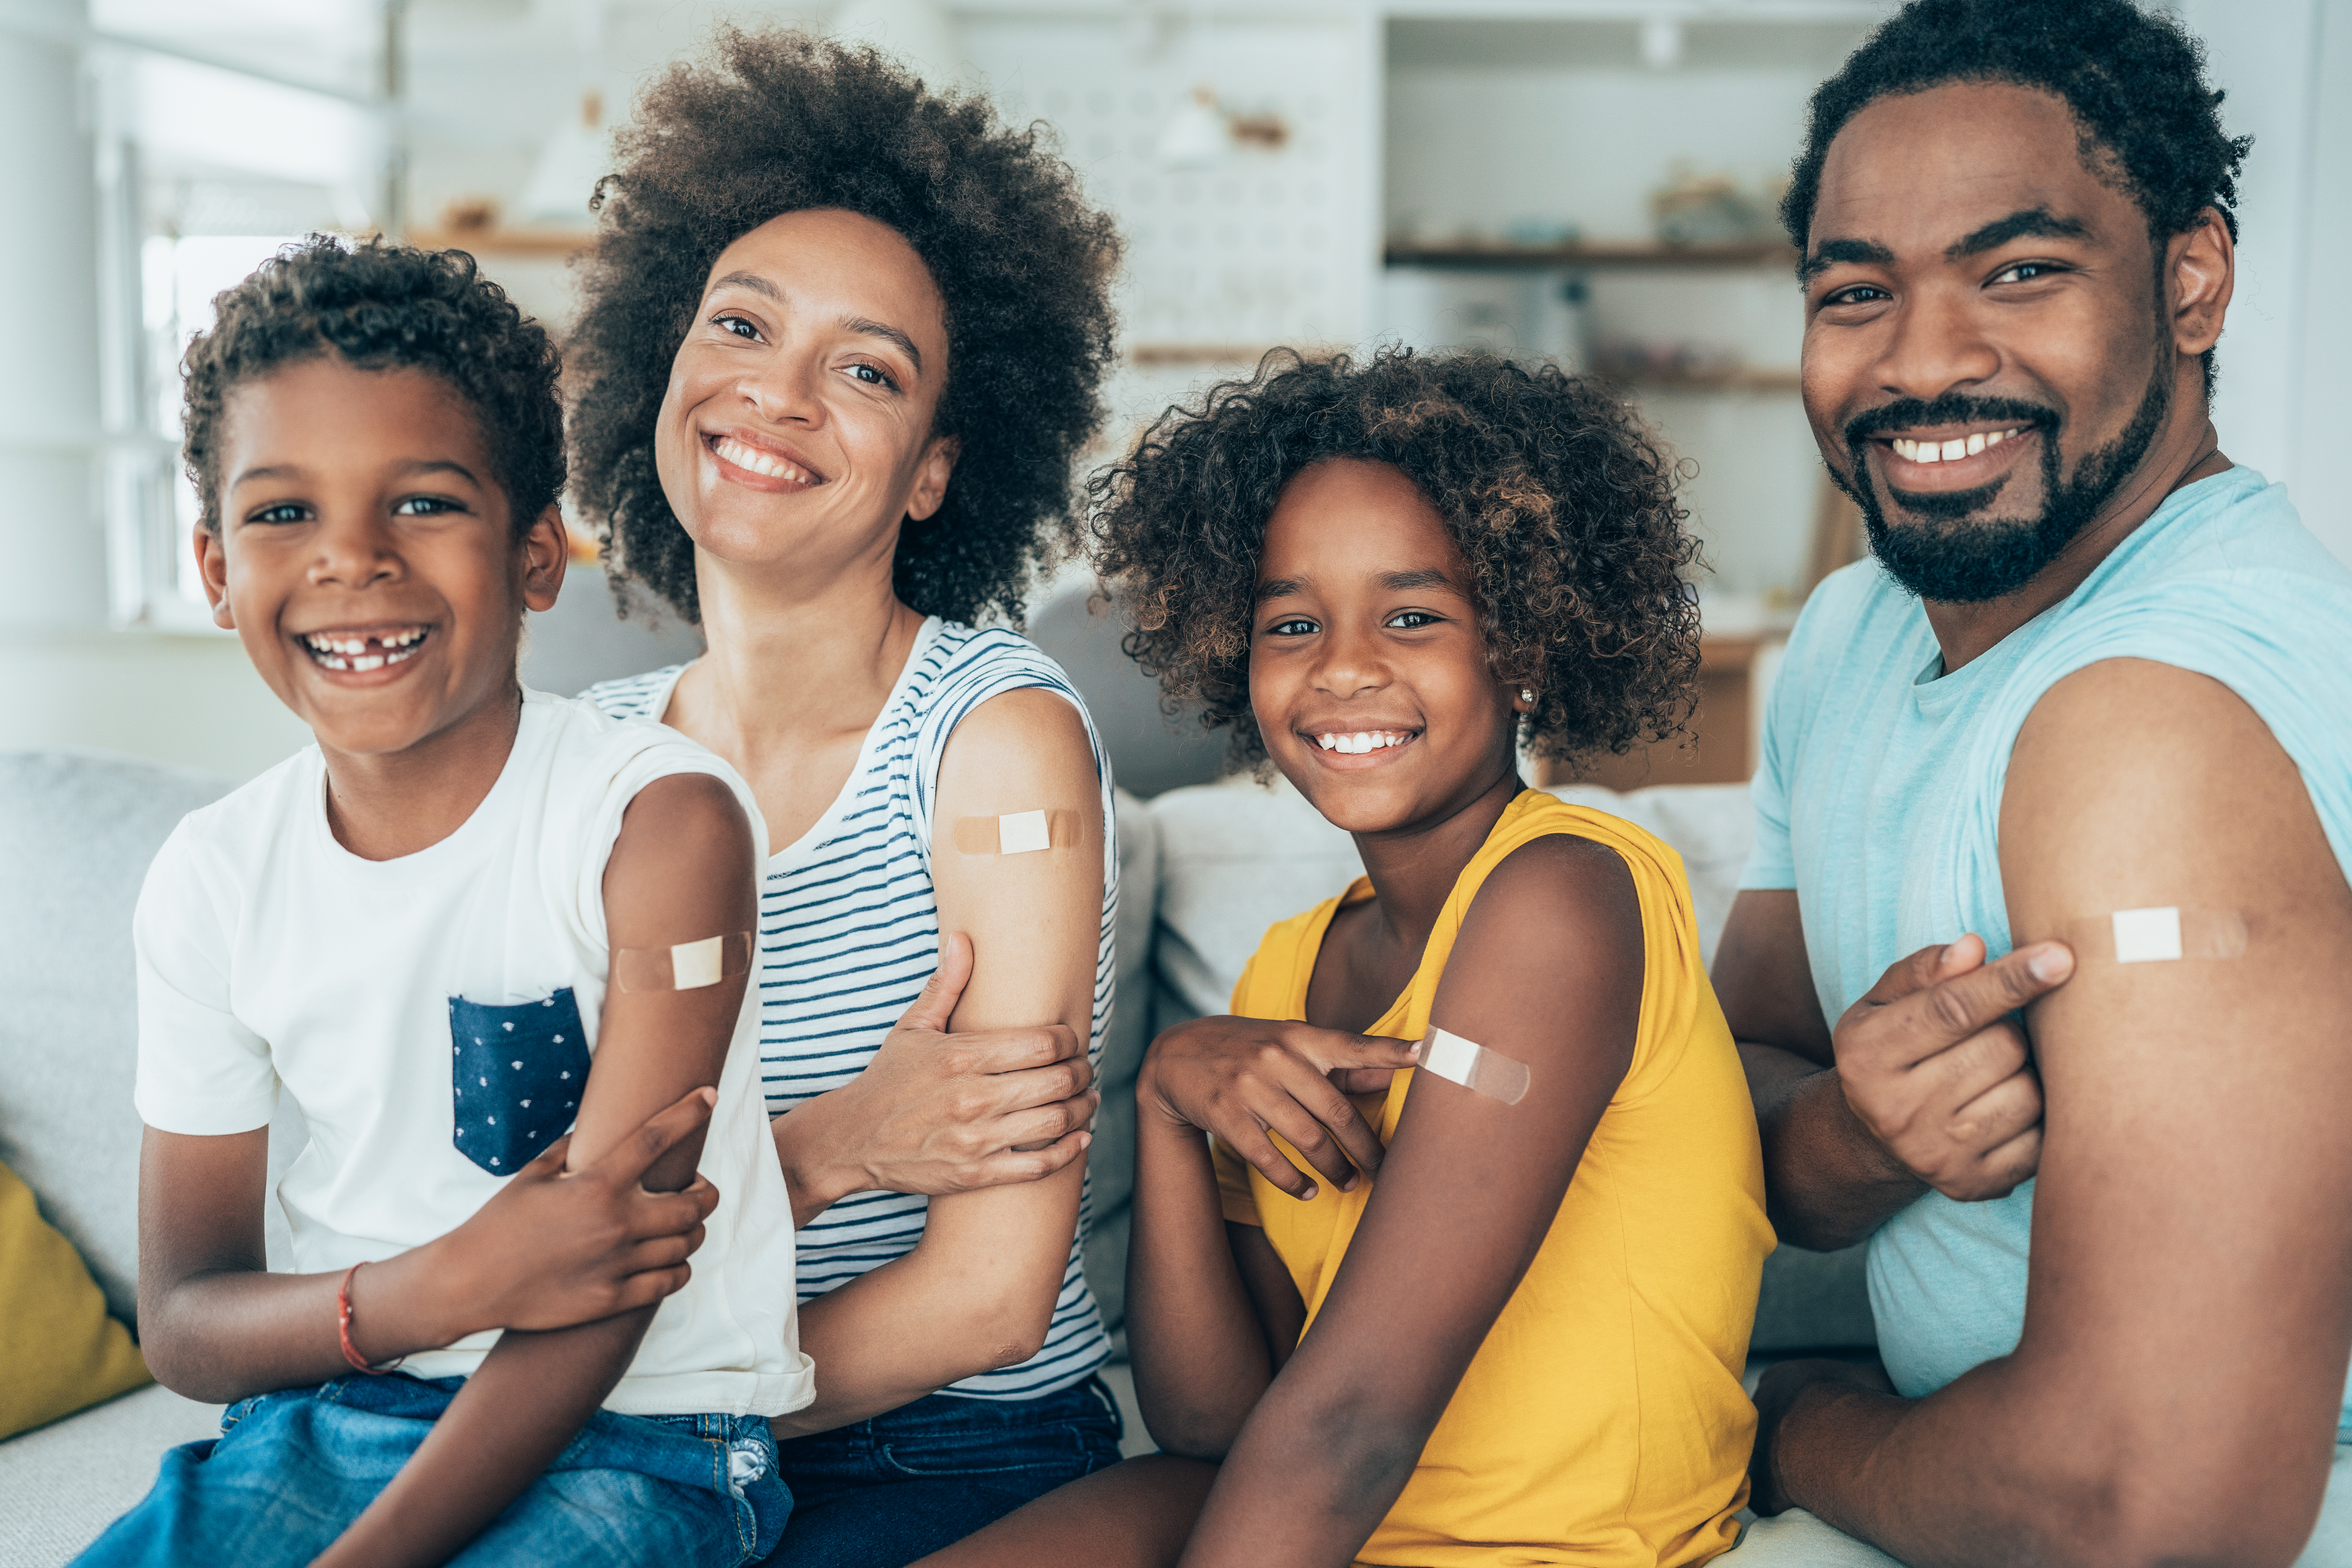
[(1412, 620), (871, 374), (284, 511), (737, 326), (1292, 626), (425, 506)]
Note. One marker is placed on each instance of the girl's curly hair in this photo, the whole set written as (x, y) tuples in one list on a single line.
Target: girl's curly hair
[(382, 307), (781, 121), (1562, 504)]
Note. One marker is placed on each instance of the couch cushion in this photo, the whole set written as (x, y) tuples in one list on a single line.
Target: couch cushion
[(77, 832), (61, 1349), (63, 1484)]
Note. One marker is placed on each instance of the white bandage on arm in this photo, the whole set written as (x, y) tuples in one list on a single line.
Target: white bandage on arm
[(1018, 833), (2162, 934), (1474, 1067), (686, 966)]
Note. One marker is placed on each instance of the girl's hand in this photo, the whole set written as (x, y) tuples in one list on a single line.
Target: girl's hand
[(554, 1250), (1242, 1078)]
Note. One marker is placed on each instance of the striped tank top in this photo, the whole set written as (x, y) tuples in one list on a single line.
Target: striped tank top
[(849, 935)]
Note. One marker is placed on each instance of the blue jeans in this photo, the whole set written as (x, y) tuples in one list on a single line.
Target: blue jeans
[(883, 1492), (291, 1469)]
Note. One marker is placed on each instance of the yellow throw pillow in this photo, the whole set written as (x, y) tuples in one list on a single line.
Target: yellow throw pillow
[(59, 1350)]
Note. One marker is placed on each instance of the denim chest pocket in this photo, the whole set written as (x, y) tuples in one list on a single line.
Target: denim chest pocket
[(516, 1073)]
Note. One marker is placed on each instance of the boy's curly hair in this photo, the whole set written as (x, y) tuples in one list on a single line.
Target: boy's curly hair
[(383, 307), (1562, 504), (780, 121), (2133, 80)]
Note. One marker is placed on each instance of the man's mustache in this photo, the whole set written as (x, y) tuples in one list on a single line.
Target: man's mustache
[(1951, 408)]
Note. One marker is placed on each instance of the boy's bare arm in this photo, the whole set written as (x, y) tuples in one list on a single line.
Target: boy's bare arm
[(1465, 1195), (680, 871), (2194, 1175), (978, 1293)]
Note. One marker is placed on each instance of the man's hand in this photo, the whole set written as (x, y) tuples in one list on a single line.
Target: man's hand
[(1776, 1395), (551, 1250), (939, 1113), (1939, 1073), (1242, 1078)]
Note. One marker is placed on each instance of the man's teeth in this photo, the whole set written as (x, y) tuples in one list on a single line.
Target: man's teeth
[(1951, 451), (346, 652), (1362, 740), (760, 462)]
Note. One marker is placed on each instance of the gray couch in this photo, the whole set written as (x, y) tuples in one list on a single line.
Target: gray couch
[(1204, 870)]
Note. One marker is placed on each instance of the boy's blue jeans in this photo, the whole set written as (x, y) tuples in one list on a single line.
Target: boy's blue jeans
[(882, 1493), (291, 1469)]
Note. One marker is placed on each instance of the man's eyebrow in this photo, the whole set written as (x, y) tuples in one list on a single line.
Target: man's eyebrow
[(887, 333), (1405, 582), (2035, 222), (1830, 252), (1280, 588)]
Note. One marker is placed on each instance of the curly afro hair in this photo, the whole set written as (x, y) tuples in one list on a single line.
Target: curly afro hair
[(781, 121), (2133, 80), (381, 307), (1561, 502)]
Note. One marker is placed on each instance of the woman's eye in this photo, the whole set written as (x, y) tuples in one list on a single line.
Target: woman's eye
[(1293, 626), (737, 326), (1412, 620), (872, 374), (284, 511), (425, 506)]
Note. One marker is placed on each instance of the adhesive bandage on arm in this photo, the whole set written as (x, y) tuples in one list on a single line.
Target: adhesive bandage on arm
[(687, 967), (2164, 934), (1474, 1067), (1018, 832)]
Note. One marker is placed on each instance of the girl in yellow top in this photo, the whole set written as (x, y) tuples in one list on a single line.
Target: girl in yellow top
[(1490, 1333)]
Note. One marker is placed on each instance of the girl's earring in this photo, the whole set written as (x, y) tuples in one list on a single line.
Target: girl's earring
[(1527, 697)]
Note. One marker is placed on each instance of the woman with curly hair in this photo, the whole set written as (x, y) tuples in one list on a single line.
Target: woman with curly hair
[(841, 344), (1523, 1343)]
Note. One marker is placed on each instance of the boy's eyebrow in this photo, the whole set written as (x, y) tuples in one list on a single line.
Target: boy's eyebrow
[(415, 465), (265, 471), (1403, 582), (1280, 588)]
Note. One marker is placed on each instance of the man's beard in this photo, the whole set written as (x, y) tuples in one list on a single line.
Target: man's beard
[(1970, 562)]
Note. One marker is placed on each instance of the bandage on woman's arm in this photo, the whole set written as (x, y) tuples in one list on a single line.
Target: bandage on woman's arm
[(680, 872)]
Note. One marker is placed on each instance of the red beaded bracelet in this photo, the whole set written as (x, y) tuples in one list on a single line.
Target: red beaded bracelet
[(343, 1327)]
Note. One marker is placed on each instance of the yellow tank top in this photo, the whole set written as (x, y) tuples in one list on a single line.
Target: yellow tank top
[(1602, 1422)]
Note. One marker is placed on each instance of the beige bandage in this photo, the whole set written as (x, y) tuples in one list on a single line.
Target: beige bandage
[(2162, 934), (688, 966), (1474, 1067), (1018, 832)]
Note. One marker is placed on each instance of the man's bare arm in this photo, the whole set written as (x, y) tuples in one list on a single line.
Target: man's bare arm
[(2176, 1391)]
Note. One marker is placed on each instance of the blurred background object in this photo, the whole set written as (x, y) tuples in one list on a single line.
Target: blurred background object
[(1590, 182)]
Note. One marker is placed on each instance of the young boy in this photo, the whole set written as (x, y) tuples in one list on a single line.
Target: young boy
[(484, 937)]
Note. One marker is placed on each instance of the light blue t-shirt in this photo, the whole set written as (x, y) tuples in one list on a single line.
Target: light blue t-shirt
[(1878, 800)]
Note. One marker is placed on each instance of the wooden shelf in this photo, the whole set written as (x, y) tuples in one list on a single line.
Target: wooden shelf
[(1648, 254), (557, 243)]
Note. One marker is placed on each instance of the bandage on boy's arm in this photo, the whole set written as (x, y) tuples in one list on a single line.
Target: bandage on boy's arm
[(1468, 1190), (681, 869), (979, 1292)]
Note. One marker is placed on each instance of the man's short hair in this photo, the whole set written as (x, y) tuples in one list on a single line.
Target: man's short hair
[(2151, 126)]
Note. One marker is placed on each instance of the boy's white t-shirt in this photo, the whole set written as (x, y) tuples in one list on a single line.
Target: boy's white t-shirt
[(389, 998)]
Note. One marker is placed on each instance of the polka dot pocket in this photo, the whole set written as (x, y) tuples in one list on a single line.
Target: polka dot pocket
[(516, 1074)]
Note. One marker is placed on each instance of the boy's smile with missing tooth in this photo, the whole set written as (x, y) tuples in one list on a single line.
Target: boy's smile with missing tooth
[(367, 557)]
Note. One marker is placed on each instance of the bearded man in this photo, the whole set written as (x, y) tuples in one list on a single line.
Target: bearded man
[(2078, 742)]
